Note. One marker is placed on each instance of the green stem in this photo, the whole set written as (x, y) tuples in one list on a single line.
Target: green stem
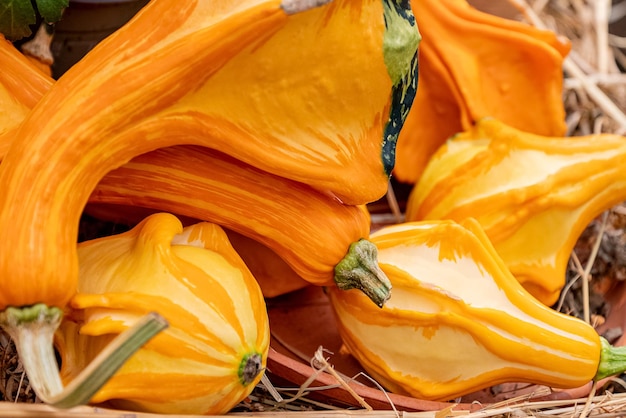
[(32, 329), (612, 360), (359, 269), (250, 367)]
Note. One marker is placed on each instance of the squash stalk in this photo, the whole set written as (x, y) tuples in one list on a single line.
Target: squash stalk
[(32, 329), (251, 366), (359, 270), (612, 360)]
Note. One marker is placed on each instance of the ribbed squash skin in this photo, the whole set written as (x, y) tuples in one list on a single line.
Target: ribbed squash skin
[(457, 320), (474, 65), (309, 230), (149, 86), (533, 195), (195, 279)]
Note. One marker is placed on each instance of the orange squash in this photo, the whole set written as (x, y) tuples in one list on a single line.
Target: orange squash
[(311, 231), (474, 65), (214, 351), (458, 321)]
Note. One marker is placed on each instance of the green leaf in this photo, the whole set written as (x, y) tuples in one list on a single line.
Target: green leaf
[(51, 10), (15, 18)]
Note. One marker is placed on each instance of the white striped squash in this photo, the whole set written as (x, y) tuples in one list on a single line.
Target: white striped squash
[(215, 349)]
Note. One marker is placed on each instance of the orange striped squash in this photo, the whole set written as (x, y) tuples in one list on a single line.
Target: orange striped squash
[(532, 194), (311, 231), (458, 321), (215, 349)]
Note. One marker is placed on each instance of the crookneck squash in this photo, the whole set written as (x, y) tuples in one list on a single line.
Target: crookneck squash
[(473, 65), (534, 195), (215, 349), (311, 231), (458, 321)]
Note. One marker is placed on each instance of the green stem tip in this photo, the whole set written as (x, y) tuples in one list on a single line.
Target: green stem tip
[(251, 366), (359, 269), (32, 329), (612, 360)]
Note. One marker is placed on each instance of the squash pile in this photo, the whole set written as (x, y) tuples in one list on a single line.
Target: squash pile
[(273, 120), (499, 200), (243, 139)]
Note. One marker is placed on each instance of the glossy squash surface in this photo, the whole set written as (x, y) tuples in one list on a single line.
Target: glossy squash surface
[(215, 350), (458, 321)]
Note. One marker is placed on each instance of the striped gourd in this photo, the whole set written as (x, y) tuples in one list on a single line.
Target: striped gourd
[(215, 349), (458, 321)]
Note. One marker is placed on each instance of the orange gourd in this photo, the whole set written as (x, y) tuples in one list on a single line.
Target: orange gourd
[(474, 65), (458, 321), (214, 351)]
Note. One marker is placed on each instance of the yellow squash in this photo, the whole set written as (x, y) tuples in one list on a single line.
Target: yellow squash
[(534, 195), (215, 349), (472, 65), (458, 321)]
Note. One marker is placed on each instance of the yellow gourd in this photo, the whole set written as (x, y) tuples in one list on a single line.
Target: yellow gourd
[(533, 195), (215, 349), (458, 321), (473, 65)]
